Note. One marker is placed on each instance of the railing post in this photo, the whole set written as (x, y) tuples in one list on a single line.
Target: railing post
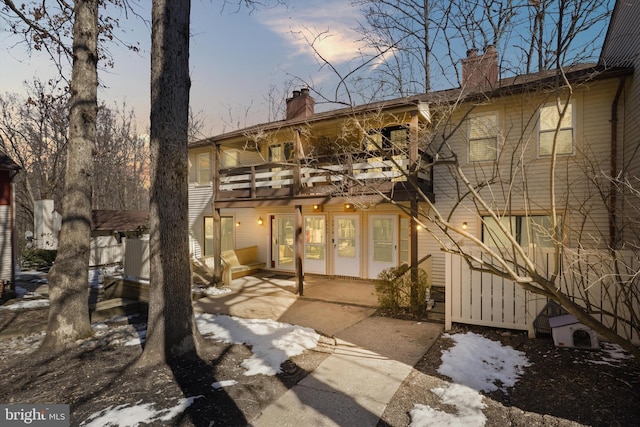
[(299, 249), (253, 182), (297, 152)]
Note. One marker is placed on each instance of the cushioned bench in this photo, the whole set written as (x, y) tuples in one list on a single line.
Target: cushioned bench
[(240, 262)]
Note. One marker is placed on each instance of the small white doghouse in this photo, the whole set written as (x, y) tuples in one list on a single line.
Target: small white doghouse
[(568, 332)]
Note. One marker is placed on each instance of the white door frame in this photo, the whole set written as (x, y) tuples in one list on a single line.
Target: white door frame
[(315, 247), (348, 245), (390, 253), (277, 247)]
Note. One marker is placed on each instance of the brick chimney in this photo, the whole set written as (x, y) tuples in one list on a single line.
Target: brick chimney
[(480, 71), (300, 105)]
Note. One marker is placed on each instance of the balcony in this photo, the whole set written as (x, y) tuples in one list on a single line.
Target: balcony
[(335, 176)]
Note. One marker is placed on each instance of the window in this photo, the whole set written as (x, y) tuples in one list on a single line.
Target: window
[(391, 138), (203, 168), (281, 152), (227, 230), (528, 230), (404, 240), (314, 237), (549, 123), (482, 131), (229, 158)]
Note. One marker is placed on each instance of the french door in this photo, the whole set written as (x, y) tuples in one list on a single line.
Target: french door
[(282, 242), (346, 246), (315, 245), (383, 243)]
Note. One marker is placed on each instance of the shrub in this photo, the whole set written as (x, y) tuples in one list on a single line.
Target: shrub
[(38, 258), (394, 290)]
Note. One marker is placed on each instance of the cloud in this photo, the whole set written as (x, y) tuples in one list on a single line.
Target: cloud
[(328, 26)]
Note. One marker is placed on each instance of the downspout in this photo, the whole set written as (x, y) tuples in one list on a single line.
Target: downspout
[(614, 167)]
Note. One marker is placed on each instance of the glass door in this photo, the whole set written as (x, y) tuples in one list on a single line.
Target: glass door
[(383, 243), (284, 242), (346, 246), (315, 244)]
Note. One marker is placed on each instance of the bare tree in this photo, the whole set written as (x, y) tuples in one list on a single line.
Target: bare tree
[(45, 26), (172, 332), (406, 33), (33, 131), (68, 278), (121, 161)]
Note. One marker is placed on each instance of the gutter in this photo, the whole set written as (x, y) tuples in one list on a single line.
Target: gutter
[(614, 166)]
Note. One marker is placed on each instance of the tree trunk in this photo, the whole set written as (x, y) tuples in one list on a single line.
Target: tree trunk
[(172, 333), (68, 279)]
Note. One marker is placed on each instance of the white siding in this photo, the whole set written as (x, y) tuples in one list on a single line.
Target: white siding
[(200, 197), (5, 242)]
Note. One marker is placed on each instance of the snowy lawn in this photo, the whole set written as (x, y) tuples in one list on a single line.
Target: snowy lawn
[(474, 364)]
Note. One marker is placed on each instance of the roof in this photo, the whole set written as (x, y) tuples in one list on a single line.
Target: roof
[(119, 220), (6, 163), (621, 46), (506, 86)]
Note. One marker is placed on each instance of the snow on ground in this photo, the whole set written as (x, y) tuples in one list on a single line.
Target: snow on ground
[(26, 304), (132, 416), (271, 342), (474, 364)]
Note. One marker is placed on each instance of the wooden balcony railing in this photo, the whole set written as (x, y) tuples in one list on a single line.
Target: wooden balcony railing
[(322, 177)]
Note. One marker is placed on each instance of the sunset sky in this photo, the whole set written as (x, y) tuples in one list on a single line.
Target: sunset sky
[(236, 59)]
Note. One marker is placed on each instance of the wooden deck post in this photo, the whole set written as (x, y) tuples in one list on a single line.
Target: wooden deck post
[(217, 247), (299, 249), (217, 244), (414, 158)]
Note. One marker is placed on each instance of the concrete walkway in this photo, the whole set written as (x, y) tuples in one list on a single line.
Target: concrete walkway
[(372, 355)]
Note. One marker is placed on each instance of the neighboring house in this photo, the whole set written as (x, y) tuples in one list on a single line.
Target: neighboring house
[(109, 231), (119, 223), (331, 193), (8, 170)]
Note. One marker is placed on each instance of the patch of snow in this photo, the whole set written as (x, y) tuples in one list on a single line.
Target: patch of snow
[(611, 354), (271, 342), (218, 385), (132, 416), (468, 404), (26, 304), (212, 291), (481, 363)]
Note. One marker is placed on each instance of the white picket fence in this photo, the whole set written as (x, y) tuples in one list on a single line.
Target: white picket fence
[(106, 250), (485, 299)]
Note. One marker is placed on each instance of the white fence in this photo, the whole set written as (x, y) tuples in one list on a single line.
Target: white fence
[(590, 279), (136, 259), (106, 250)]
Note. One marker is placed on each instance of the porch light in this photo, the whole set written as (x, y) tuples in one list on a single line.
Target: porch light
[(316, 208), (418, 227), (260, 221), (464, 225), (238, 224), (348, 207)]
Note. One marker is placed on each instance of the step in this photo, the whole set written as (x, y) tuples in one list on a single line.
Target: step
[(109, 308)]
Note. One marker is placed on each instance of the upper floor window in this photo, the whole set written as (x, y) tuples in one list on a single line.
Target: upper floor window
[(482, 132), (203, 168), (281, 152), (528, 230), (393, 138), (553, 127), (229, 158)]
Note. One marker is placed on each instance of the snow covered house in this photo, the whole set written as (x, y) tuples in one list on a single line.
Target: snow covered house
[(8, 170), (337, 193)]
